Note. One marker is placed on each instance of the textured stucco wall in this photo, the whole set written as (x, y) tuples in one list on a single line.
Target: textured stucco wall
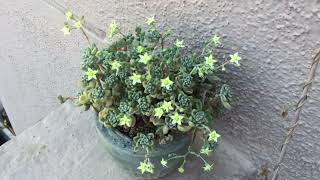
[(275, 39), (36, 61)]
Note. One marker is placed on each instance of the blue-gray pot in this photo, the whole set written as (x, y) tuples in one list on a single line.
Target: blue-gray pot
[(121, 149)]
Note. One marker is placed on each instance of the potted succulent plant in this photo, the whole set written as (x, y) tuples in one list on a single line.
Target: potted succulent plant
[(153, 97)]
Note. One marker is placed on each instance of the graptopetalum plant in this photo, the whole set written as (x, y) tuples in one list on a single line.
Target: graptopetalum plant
[(153, 91)]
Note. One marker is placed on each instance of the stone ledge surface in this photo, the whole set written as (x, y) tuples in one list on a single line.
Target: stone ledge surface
[(65, 145)]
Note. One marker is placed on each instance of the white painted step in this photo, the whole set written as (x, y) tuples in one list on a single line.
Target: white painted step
[(65, 146)]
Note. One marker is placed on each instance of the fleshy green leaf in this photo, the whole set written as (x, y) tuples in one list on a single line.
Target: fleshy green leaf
[(84, 98), (103, 113), (225, 102)]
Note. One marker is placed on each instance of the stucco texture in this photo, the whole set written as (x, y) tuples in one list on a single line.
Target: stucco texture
[(276, 40)]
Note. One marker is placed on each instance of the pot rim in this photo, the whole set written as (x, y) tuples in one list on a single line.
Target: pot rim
[(125, 144)]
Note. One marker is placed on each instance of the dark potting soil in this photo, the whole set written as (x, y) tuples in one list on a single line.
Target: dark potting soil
[(142, 125), (3, 137), (4, 123)]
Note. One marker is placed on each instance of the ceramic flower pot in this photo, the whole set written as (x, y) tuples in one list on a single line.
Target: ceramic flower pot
[(121, 149)]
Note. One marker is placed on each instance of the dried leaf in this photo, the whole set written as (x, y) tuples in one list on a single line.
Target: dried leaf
[(284, 112)]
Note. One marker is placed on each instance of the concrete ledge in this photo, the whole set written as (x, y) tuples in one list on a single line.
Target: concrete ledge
[(64, 145)]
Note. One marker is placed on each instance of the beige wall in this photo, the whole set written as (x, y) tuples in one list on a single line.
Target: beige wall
[(275, 39)]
